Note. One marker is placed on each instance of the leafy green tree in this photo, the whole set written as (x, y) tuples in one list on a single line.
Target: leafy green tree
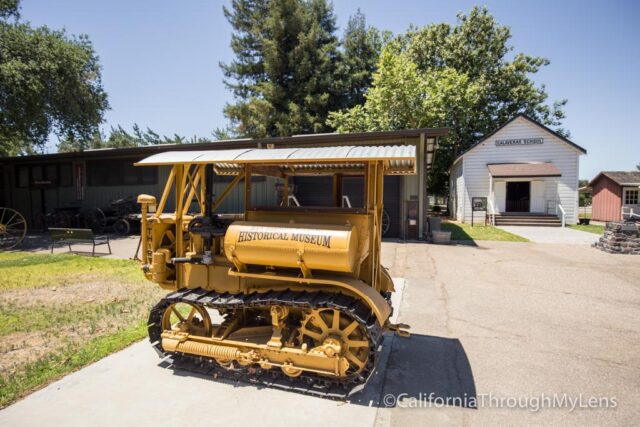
[(283, 74), (222, 133), (120, 138), (585, 196), (9, 8), (71, 143), (462, 77), (49, 82)]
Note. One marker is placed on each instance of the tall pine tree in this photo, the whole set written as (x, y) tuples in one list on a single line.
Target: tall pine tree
[(284, 73), (361, 46), (246, 71)]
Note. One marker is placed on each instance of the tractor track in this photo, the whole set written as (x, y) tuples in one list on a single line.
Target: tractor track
[(308, 384)]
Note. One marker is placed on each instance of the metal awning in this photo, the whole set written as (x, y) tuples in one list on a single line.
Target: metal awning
[(523, 170), (399, 159)]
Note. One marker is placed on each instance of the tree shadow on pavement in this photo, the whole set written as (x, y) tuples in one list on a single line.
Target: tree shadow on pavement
[(421, 368)]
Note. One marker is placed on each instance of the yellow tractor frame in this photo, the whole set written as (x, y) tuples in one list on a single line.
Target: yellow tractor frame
[(330, 252), (186, 183)]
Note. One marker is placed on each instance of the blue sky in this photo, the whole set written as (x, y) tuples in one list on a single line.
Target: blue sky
[(160, 60)]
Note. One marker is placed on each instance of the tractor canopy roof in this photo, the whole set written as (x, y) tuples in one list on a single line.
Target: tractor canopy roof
[(397, 159)]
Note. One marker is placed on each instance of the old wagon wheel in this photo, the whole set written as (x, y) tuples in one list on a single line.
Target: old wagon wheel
[(95, 219), (122, 227), (13, 228), (386, 221)]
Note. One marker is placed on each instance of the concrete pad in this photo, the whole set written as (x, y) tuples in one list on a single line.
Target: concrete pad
[(561, 235), (133, 387), (129, 388)]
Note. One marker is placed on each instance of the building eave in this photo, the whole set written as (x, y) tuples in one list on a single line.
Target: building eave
[(297, 140)]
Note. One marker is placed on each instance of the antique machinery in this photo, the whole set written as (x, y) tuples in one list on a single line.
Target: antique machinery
[(13, 228), (288, 296)]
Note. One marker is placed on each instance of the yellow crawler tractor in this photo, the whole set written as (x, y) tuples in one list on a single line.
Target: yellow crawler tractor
[(288, 296)]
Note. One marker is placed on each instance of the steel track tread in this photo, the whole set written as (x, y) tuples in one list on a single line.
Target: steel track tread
[(274, 378)]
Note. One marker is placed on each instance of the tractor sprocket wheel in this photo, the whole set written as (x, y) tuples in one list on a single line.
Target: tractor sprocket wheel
[(186, 317), (333, 329)]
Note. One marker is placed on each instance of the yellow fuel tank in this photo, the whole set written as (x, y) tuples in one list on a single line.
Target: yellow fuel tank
[(330, 247)]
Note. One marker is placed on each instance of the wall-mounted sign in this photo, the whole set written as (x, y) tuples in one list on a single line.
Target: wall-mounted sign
[(519, 141), (479, 203)]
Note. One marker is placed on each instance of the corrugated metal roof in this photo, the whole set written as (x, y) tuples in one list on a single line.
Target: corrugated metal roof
[(402, 158), (513, 170)]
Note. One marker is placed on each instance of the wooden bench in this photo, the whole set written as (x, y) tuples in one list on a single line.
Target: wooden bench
[(69, 236)]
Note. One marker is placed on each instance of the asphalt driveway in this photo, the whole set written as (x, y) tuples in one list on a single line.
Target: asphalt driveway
[(501, 322), (561, 235), (533, 319)]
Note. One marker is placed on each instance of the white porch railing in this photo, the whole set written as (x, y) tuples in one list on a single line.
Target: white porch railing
[(491, 212), (564, 214), (629, 213)]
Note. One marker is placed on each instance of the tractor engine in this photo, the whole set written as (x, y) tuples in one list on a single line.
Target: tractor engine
[(304, 246)]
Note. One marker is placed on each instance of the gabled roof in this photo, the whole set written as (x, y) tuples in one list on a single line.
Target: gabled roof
[(621, 178), (532, 121)]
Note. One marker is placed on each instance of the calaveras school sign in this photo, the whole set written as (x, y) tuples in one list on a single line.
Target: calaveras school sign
[(519, 141)]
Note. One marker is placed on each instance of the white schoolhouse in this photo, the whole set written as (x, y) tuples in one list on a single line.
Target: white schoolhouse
[(527, 173)]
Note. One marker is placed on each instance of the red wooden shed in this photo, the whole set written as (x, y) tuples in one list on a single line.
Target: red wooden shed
[(615, 195)]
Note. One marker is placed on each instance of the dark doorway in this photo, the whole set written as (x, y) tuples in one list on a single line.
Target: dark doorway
[(518, 196)]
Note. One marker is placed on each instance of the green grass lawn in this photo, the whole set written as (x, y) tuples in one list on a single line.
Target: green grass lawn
[(466, 232), (59, 313), (38, 373), (591, 228), (26, 270)]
